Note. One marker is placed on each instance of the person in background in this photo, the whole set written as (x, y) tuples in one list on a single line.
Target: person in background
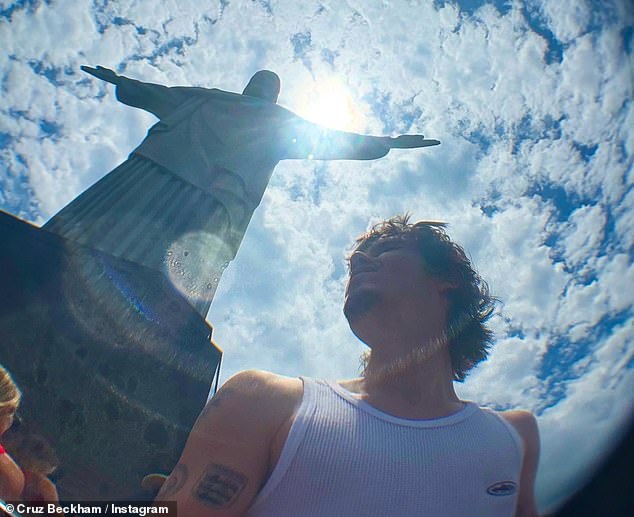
[(11, 477), (38, 460)]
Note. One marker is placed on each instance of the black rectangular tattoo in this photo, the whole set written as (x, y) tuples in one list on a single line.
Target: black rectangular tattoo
[(219, 486)]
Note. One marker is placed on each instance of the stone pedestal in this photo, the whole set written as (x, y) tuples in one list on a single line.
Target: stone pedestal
[(114, 364)]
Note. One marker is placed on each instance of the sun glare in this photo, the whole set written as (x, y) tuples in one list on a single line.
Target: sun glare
[(328, 103)]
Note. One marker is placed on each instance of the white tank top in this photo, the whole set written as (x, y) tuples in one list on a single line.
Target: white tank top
[(343, 457)]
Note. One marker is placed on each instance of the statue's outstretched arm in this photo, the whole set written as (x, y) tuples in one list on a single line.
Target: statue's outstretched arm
[(410, 142), (155, 98), (307, 140), (103, 73)]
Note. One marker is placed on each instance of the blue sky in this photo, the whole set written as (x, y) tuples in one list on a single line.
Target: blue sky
[(532, 101)]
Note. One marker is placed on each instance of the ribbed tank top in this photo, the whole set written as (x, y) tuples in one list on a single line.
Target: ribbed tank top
[(343, 457)]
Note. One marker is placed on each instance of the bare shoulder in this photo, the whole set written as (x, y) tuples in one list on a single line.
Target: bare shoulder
[(261, 378), (260, 385), (256, 395), (524, 423)]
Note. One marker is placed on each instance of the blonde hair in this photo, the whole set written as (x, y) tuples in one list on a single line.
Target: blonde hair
[(9, 392)]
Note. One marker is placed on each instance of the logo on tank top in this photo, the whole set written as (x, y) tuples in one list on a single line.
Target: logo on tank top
[(502, 488)]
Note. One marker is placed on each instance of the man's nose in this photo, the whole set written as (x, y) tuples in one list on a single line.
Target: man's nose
[(360, 259)]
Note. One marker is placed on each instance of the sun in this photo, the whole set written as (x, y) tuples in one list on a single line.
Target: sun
[(329, 103)]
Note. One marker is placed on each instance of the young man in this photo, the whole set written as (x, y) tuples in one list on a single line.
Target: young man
[(398, 440)]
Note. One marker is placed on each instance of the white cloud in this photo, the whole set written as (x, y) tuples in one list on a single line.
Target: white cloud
[(584, 234)]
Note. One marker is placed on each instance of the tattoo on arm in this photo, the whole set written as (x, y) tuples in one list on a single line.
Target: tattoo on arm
[(219, 486), (174, 482), (217, 400)]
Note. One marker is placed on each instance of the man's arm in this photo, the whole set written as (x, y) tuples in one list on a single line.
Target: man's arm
[(304, 139), (226, 459), (526, 425), (155, 98)]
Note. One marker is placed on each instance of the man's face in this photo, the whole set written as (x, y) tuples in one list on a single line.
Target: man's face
[(389, 272)]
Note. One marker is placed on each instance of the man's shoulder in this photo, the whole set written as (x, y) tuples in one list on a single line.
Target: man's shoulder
[(520, 419), (257, 395), (261, 384), (525, 424)]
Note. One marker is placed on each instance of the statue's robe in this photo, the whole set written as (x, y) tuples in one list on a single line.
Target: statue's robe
[(182, 201)]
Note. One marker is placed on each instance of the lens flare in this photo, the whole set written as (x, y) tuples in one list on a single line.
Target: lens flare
[(329, 103), (194, 263)]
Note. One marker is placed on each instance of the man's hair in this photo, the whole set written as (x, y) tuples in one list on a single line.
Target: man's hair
[(470, 304), (9, 392)]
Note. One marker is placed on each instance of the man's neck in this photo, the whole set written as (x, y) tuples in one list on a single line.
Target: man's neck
[(419, 387)]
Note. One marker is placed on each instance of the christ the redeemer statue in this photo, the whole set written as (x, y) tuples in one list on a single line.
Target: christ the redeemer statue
[(181, 202)]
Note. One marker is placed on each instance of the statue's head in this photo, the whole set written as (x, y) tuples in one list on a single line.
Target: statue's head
[(264, 85)]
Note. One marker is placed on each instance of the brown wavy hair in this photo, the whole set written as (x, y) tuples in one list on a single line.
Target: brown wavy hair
[(470, 303)]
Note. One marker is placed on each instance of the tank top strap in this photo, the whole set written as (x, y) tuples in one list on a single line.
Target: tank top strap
[(300, 424)]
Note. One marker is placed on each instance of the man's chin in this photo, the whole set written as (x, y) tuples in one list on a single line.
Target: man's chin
[(359, 304)]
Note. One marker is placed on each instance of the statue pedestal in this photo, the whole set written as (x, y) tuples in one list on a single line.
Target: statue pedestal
[(113, 363)]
